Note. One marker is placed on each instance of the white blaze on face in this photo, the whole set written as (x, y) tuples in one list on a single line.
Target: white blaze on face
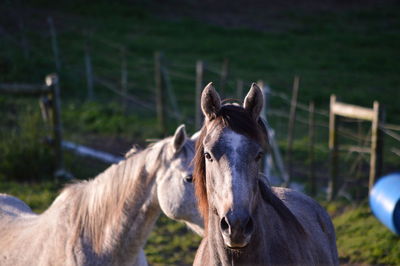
[(234, 141), (235, 182)]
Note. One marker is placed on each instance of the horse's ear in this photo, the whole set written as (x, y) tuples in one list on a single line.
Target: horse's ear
[(210, 102), (179, 138), (254, 101)]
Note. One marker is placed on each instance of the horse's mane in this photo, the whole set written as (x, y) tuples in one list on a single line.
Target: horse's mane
[(135, 149), (237, 119), (95, 204)]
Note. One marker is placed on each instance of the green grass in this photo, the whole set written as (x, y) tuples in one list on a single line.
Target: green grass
[(351, 53), (171, 243), (24, 154), (106, 119), (362, 239)]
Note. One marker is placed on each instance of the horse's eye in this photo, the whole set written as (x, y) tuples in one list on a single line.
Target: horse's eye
[(208, 156), (188, 178), (259, 156)]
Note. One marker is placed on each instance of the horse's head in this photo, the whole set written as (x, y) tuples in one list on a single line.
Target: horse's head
[(175, 188), (228, 153)]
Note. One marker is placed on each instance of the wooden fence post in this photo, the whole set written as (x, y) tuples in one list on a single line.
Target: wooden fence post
[(199, 88), (291, 126), (54, 44), (374, 115), (89, 71), (124, 78), (160, 93), (333, 150), (53, 83), (376, 147), (311, 137), (224, 75)]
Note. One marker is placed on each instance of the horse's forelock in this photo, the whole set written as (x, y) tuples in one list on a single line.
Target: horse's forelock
[(239, 120)]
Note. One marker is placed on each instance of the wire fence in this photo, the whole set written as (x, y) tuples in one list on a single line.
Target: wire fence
[(109, 73)]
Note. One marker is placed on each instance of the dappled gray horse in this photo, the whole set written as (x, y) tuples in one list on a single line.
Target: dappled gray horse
[(246, 221), (105, 221)]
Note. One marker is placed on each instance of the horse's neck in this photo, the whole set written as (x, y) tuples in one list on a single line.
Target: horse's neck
[(115, 212), (142, 209), (276, 242)]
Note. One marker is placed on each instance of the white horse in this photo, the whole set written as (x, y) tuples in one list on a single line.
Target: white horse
[(105, 221)]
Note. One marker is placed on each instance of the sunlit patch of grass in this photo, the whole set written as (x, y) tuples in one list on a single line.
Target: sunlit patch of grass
[(361, 238)]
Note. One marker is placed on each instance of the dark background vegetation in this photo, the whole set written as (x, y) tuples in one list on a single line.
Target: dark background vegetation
[(349, 48)]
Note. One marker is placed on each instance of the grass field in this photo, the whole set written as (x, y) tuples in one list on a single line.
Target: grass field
[(361, 238), (350, 52), (348, 49)]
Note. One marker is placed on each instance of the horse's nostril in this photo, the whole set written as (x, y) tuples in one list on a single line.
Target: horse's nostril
[(224, 225), (249, 226), (188, 178)]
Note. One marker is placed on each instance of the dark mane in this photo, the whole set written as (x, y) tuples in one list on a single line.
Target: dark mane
[(237, 119)]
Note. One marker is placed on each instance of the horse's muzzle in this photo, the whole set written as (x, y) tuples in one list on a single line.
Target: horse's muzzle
[(237, 228)]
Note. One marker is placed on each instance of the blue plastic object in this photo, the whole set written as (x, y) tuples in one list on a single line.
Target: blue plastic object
[(384, 200)]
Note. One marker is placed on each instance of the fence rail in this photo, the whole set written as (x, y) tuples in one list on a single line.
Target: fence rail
[(92, 153)]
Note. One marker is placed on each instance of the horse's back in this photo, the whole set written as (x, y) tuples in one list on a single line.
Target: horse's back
[(12, 206), (314, 219), (15, 217)]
